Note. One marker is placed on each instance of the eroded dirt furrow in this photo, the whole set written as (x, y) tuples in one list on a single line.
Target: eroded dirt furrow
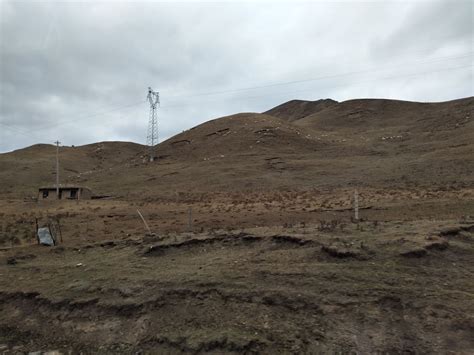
[(252, 346), (227, 240), (150, 323), (192, 321), (290, 301)]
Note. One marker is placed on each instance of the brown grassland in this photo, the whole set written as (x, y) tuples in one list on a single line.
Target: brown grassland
[(254, 248)]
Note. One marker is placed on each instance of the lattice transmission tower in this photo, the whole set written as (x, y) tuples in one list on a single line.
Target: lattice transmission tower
[(152, 136)]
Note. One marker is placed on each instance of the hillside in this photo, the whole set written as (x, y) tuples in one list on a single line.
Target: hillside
[(23, 171), (368, 142), (251, 242), (391, 143), (295, 109)]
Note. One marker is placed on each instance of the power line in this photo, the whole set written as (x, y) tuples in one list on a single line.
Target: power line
[(211, 93), (237, 98), (17, 130), (123, 107), (372, 80), (35, 136), (87, 116), (331, 86)]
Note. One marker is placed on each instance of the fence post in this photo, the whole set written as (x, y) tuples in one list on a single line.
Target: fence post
[(356, 205), (144, 222), (190, 219)]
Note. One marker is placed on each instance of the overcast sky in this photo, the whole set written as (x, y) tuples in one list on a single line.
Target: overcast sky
[(79, 71)]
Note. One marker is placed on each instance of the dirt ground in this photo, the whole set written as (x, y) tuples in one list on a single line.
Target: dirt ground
[(252, 246), (254, 272)]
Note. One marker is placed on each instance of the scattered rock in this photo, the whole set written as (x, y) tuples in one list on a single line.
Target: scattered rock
[(339, 252), (289, 239), (15, 259), (463, 232), (438, 245), (414, 253), (450, 232), (108, 244)]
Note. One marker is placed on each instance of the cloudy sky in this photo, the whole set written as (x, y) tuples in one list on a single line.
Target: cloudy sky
[(79, 71)]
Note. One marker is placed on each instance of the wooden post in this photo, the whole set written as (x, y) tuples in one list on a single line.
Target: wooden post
[(51, 233), (36, 231), (59, 229), (144, 222), (356, 205), (190, 219)]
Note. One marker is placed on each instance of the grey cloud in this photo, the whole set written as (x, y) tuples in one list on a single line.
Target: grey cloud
[(69, 61), (429, 27)]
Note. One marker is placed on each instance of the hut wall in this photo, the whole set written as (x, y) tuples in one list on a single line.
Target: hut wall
[(85, 194), (78, 193), (51, 194)]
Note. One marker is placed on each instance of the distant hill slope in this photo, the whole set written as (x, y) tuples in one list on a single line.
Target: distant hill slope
[(23, 170), (237, 135), (296, 109), (398, 127), (369, 142), (363, 114)]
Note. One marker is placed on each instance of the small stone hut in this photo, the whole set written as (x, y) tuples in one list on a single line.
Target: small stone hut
[(65, 193)]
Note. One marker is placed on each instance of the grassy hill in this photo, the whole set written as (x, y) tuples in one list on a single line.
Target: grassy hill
[(251, 243), (23, 171), (296, 145)]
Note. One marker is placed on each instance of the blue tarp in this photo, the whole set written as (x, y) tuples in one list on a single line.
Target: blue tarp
[(44, 237)]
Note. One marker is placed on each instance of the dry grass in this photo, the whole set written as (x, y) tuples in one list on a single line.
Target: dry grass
[(274, 262)]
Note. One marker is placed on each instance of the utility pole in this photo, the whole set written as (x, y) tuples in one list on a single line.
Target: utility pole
[(57, 168), (152, 136)]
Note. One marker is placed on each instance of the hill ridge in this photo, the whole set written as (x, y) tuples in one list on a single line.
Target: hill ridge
[(364, 141)]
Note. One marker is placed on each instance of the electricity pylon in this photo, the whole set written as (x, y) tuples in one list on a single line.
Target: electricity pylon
[(152, 136)]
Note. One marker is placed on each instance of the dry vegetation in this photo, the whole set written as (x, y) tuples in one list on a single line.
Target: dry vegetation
[(273, 261)]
